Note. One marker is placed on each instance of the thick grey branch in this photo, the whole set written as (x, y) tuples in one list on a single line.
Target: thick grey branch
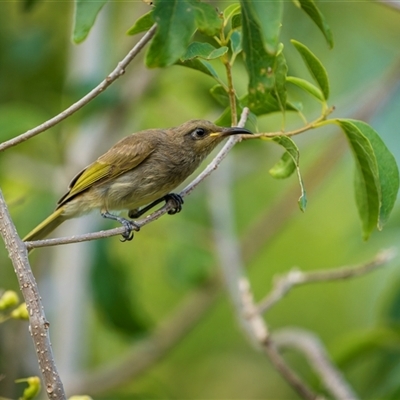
[(39, 327)]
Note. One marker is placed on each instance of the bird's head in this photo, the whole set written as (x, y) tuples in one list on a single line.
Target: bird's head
[(201, 136)]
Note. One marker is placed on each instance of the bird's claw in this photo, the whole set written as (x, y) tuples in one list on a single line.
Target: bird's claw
[(130, 226), (176, 202)]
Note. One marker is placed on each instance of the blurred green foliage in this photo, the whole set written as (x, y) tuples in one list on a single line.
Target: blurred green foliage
[(136, 286)]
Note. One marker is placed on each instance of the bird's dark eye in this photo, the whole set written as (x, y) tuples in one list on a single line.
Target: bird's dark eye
[(198, 133)]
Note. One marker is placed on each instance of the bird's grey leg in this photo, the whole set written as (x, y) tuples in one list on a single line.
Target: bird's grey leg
[(174, 198), (130, 226)]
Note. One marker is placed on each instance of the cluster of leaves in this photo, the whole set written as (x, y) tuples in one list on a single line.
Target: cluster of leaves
[(250, 29)]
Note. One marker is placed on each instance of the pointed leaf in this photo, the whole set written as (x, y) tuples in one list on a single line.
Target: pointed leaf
[(317, 70), (367, 185), (288, 164), (307, 87), (200, 65), (280, 81), (315, 14), (85, 15), (203, 50), (176, 24), (143, 24), (387, 171)]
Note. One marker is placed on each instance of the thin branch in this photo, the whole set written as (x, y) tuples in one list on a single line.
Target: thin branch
[(312, 347), (114, 75), (311, 125), (296, 277), (260, 331), (156, 214), (38, 324)]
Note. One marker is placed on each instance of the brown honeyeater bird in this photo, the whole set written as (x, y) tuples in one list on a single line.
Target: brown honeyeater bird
[(140, 170)]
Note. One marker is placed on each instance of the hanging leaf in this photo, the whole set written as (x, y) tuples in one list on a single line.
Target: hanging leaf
[(310, 8), (85, 15), (175, 26), (203, 50), (289, 163), (317, 70), (307, 87)]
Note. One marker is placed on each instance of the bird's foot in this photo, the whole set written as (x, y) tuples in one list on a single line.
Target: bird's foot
[(129, 226), (176, 201)]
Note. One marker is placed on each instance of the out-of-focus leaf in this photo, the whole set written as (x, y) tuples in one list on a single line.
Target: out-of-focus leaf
[(203, 50), (85, 15), (236, 42), (207, 19), (280, 81), (236, 21), (220, 94), (317, 70), (33, 389), (199, 65), (386, 175), (231, 10), (269, 15), (175, 25), (307, 87), (315, 14), (288, 164), (367, 188), (143, 24), (113, 293)]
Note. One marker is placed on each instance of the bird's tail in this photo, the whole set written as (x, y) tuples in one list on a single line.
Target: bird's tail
[(47, 226)]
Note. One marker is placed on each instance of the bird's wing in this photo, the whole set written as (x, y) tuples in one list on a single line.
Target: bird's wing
[(124, 156)]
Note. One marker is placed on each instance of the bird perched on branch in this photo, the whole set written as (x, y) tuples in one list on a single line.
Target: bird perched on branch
[(140, 170)]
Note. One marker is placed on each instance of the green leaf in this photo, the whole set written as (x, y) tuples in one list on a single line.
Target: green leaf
[(85, 15), (113, 292), (231, 11), (207, 18), (220, 94), (236, 43), (176, 24), (317, 70), (280, 81), (143, 24), (307, 87), (313, 12), (200, 65), (367, 185), (269, 15), (387, 171), (236, 21), (203, 50), (289, 163), (259, 63)]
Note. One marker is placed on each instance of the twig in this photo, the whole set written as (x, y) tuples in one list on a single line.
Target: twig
[(114, 75), (38, 324), (156, 214), (311, 125), (314, 350), (296, 277)]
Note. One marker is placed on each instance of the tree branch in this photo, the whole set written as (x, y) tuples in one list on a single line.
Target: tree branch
[(38, 324), (312, 347), (296, 277), (114, 75)]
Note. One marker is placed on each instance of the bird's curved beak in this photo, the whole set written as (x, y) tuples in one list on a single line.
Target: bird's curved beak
[(235, 130)]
